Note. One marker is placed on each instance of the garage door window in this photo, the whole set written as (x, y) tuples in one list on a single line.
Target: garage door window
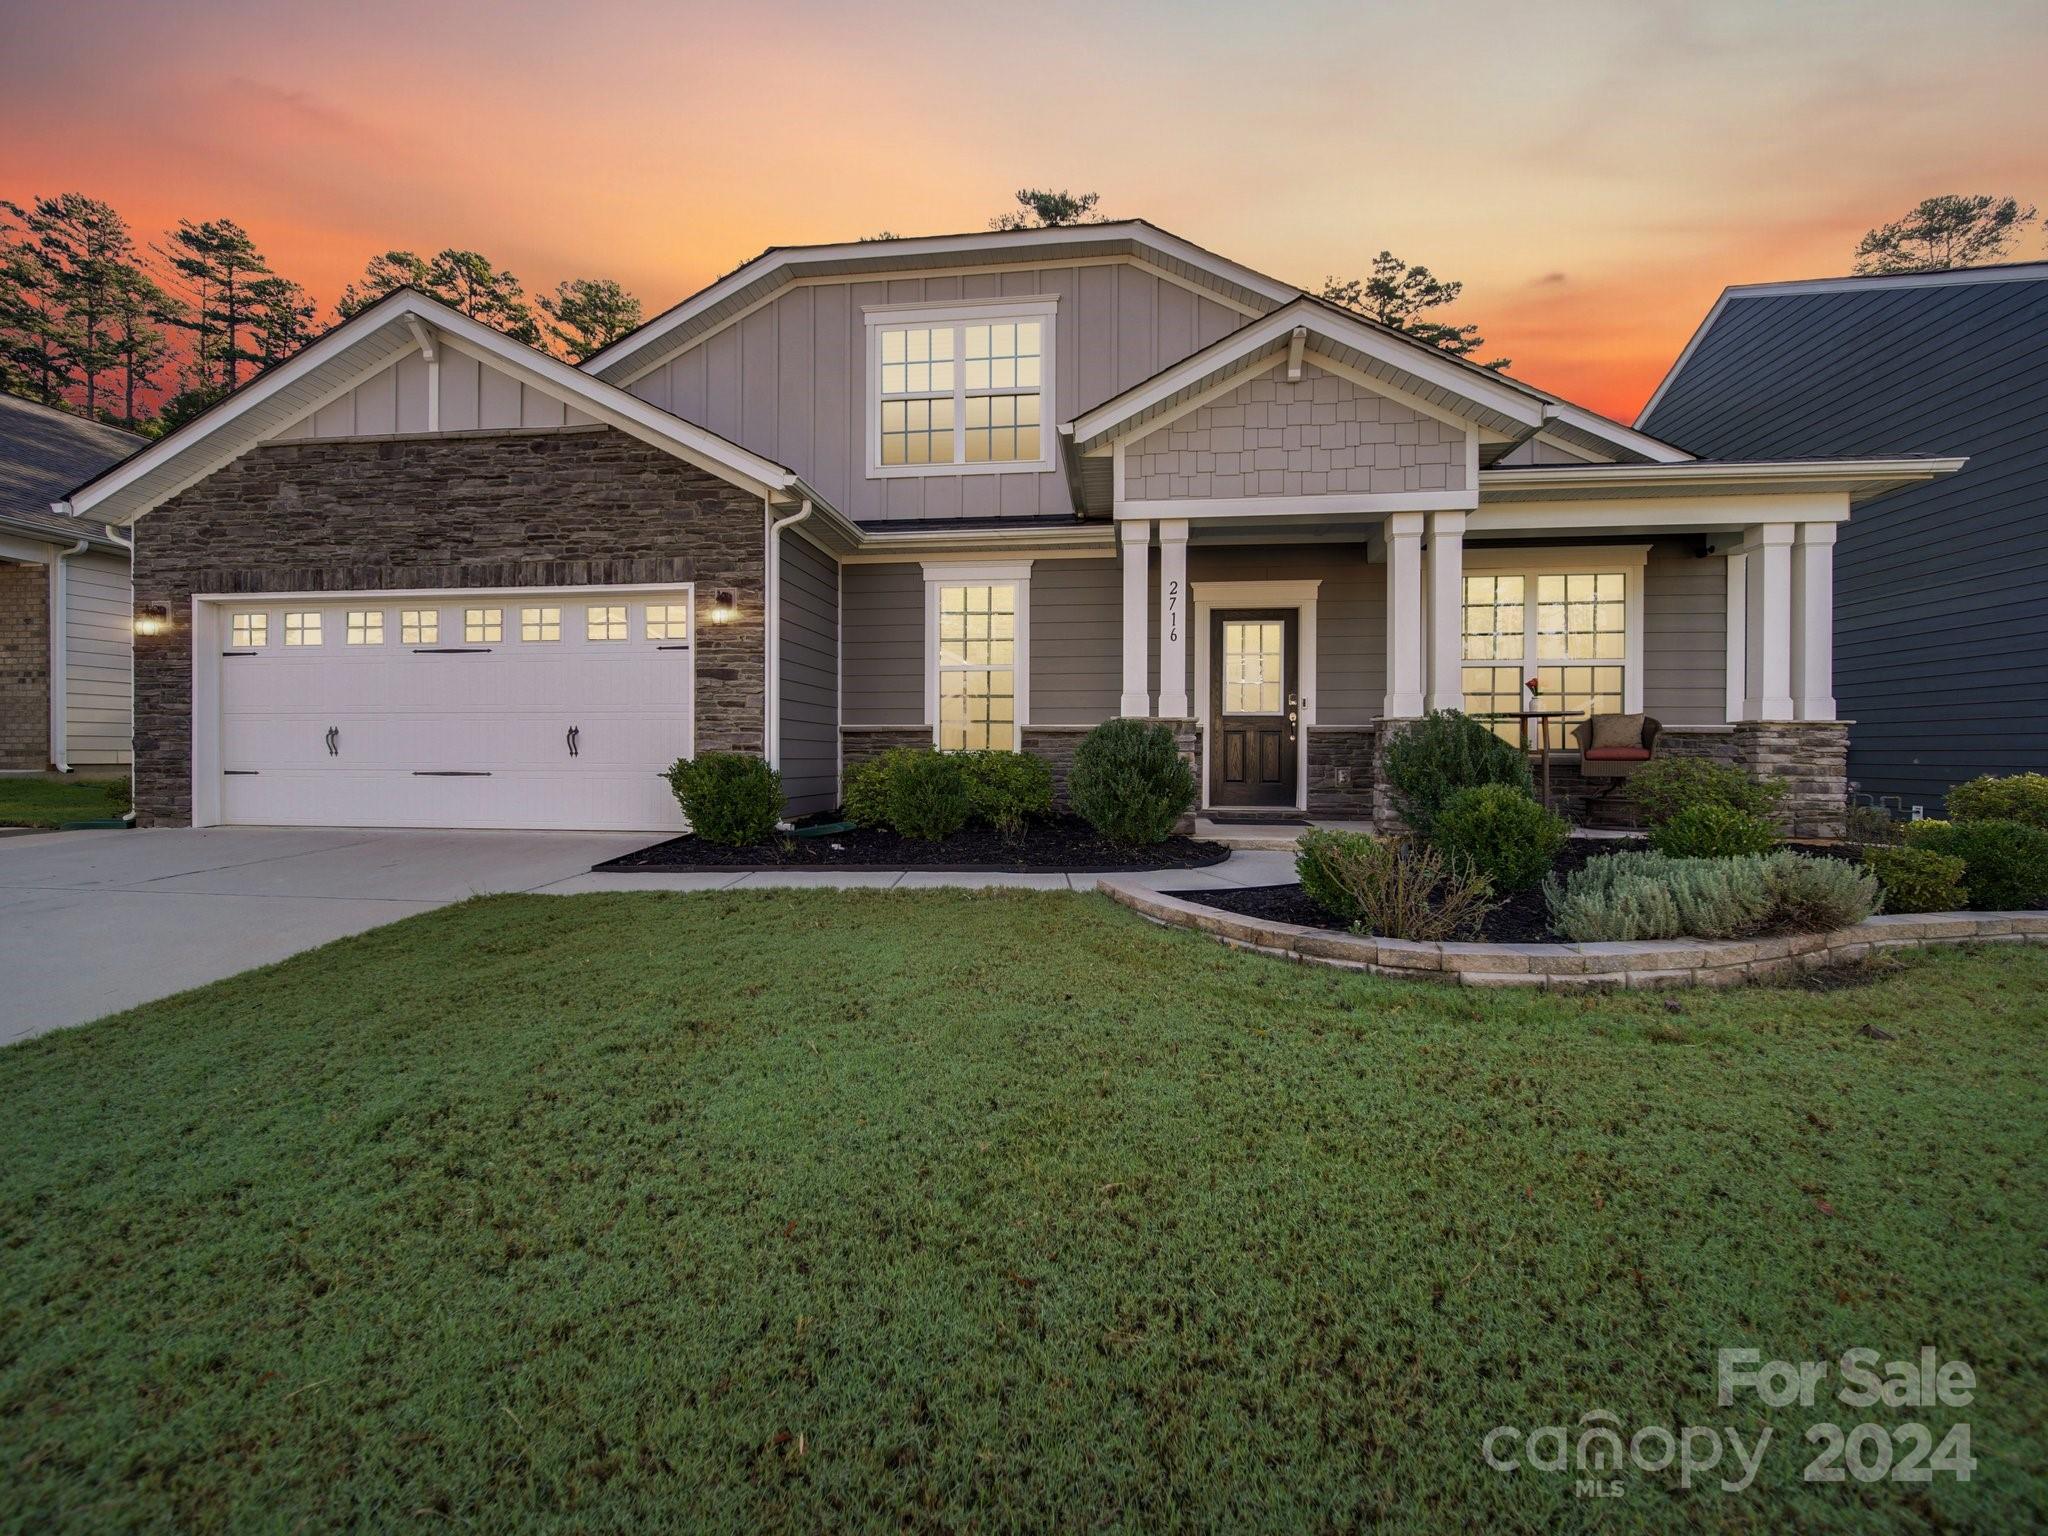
[(419, 626), (483, 626), (668, 621), (250, 629), (365, 626), (606, 621), (302, 629), (540, 624)]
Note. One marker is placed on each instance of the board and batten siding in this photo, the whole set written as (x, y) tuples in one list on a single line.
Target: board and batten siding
[(882, 641), (475, 397), (808, 621), (99, 660), (1685, 637), (789, 379)]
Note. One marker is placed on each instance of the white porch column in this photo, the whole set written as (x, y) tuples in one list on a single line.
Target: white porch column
[(1404, 615), (1137, 541), (1767, 663), (1446, 610), (1173, 618), (1813, 621)]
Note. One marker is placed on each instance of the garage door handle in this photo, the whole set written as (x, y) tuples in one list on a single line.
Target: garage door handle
[(334, 741), (574, 732)]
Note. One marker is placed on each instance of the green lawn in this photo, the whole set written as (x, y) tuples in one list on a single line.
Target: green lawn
[(51, 803), (823, 1210)]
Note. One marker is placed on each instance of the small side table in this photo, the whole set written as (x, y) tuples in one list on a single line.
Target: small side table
[(1522, 717)]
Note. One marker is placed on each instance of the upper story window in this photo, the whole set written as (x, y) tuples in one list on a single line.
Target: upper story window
[(960, 390)]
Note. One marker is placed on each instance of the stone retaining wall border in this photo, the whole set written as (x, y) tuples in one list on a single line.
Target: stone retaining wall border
[(1667, 963)]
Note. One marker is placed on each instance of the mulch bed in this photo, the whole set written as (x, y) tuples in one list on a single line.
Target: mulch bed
[(1055, 845), (1523, 918)]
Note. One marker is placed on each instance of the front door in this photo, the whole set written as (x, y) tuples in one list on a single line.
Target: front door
[(1254, 708)]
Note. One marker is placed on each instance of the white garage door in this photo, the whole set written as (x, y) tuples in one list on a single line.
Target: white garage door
[(460, 709)]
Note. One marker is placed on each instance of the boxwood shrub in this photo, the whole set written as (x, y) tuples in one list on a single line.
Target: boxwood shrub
[(928, 796), (732, 798), (1129, 782), (1666, 787), (2016, 797), (2005, 863), (1918, 879), (1707, 830), (1006, 789), (1500, 832), (1443, 752)]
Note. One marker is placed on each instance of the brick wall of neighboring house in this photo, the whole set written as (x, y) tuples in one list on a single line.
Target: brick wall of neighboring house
[(521, 509), (24, 666)]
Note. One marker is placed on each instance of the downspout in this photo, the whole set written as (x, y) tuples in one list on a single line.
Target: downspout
[(60, 723), (771, 604)]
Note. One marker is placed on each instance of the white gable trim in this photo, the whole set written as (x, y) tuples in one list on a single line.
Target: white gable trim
[(239, 423), (647, 347)]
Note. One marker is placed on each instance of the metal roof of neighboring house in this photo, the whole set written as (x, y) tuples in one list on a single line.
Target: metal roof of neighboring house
[(1925, 363), (43, 453)]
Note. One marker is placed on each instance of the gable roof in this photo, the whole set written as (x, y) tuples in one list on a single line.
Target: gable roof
[(1858, 365), (676, 327), (43, 453), (403, 321)]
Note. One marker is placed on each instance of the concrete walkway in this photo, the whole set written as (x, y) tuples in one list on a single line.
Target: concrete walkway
[(94, 922)]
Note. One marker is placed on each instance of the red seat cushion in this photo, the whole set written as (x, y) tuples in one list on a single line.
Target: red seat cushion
[(1616, 754)]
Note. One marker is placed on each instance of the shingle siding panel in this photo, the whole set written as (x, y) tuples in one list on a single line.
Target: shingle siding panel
[(1941, 611)]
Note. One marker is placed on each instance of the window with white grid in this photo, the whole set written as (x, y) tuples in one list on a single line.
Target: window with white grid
[(540, 624), (1567, 629), (419, 626), (965, 390), (604, 621), (977, 666), (668, 621), (483, 626), (365, 626), (249, 629), (302, 629)]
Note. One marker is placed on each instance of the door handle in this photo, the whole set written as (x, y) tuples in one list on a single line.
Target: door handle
[(334, 741), (574, 732)]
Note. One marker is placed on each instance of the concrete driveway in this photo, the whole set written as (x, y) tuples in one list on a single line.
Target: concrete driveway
[(93, 922)]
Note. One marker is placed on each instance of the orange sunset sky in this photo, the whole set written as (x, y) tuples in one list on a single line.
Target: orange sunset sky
[(1595, 173)]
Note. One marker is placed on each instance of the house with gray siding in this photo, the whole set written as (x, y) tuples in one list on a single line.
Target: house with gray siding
[(968, 491), (1941, 612), (65, 651)]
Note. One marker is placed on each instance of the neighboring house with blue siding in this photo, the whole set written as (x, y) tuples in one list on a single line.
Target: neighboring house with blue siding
[(1941, 588)]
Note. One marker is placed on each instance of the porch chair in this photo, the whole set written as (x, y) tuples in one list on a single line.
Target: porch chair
[(1612, 747)]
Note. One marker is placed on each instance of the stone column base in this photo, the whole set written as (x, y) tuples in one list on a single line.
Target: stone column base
[(1811, 759), (1341, 769)]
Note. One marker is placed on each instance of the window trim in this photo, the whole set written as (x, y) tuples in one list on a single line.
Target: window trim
[(1631, 560), (1016, 574), (963, 312)]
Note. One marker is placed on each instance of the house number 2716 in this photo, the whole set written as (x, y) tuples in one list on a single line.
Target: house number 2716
[(1173, 610)]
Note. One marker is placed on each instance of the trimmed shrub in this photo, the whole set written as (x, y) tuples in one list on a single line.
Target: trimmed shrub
[(732, 798), (1500, 832), (1630, 896), (1398, 889), (1129, 782), (1443, 752), (1006, 789), (1667, 786), (1709, 831), (866, 797), (2005, 863), (2016, 797), (1817, 895), (928, 796), (1918, 879)]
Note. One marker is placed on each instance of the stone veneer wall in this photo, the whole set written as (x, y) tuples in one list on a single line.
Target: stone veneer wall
[(1320, 435), (1335, 749), (1811, 759), (24, 666), (498, 510)]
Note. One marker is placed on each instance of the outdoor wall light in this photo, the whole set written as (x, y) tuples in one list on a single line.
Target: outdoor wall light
[(723, 608), (152, 619)]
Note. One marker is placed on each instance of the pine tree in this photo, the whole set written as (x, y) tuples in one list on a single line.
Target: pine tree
[(392, 270), (588, 314), (140, 347), (219, 263), (1398, 296), (281, 316), (35, 353), (84, 248)]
